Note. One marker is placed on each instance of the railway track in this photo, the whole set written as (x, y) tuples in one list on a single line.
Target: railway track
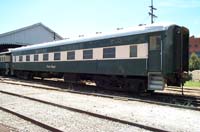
[(165, 99), (179, 100), (74, 110), (38, 123), (187, 91)]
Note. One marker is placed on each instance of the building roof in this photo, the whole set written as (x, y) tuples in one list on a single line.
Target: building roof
[(29, 27)]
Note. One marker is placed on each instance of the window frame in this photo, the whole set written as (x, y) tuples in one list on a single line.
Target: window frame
[(21, 58), (27, 58), (130, 54), (155, 46), (107, 54), (72, 56), (57, 58), (87, 55), (46, 57), (35, 58)]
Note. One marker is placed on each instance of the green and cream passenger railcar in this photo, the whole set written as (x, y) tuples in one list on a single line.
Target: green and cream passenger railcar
[(137, 59)]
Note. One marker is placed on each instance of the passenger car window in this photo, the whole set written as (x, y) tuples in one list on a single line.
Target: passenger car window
[(45, 57), (28, 58), (56, 56), (20, 58), (35, 57), (87, 54), (155, 42), (133, 51), (70, 55), (108, 52)]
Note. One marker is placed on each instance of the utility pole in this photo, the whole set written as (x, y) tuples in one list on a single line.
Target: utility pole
[(151, 13)]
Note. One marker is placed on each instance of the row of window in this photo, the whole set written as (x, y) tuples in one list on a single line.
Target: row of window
[(4, 58), (87, 54)]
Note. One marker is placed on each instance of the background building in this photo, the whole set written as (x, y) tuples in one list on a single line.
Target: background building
[(37, 33), (194, 45)]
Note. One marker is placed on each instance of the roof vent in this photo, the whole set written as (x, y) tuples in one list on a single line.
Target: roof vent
[(80, 35), (98, 32), (119, 28), (141, 24)]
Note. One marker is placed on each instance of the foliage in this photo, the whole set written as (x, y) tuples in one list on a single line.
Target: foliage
[(194, 62), (192, 84)]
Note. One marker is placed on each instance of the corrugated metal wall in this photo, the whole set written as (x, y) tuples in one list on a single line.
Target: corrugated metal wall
[(34, 35)]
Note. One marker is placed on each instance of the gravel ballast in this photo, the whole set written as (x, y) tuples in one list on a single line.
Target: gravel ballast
[(18, 123), (163, 117), (62, 119)]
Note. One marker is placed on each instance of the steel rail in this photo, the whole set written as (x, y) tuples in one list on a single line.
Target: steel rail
[(109, 96), (38, 123), (88, 113)]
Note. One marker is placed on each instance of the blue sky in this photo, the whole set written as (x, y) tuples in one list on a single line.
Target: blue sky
[(74, 17)]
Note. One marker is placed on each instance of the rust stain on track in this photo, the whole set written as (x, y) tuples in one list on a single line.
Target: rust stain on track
[(5, 128)]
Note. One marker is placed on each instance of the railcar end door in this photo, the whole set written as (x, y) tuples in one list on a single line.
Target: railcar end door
[(155, 54)]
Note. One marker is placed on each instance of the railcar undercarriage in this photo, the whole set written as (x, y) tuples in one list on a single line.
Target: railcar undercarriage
[(117, 83)]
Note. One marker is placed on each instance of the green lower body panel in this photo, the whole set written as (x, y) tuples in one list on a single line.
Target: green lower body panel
[(2, 65), (128, 67)]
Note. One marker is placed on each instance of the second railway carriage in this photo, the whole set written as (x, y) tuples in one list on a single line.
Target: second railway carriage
[(137, 59), (5, 63)]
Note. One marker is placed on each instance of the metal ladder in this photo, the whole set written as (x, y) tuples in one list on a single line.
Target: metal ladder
[(155, 81)]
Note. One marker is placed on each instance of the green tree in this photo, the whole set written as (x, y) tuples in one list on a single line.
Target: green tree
[(194, 62)]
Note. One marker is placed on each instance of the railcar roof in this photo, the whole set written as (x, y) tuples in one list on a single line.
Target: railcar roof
[(117, 33), (3, 53)]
